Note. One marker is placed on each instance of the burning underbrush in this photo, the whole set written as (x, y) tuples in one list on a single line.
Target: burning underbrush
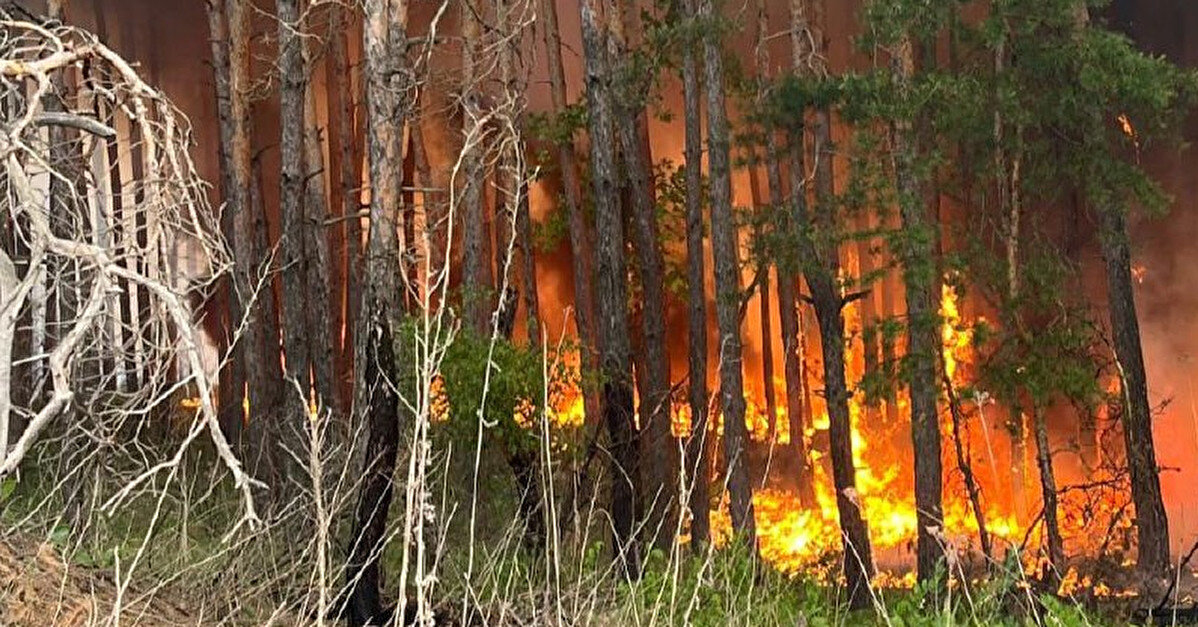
[(1002, 524)]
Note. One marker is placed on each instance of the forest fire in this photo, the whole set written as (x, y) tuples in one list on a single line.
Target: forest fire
[(795, 538), (886, 253)]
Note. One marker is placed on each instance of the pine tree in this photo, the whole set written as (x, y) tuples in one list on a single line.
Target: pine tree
[(612, 292)]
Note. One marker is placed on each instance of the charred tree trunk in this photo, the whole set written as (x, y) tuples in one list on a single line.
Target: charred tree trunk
[(615, 353), (923, 342), (258, 353), (697, 464), (263, 348), (376, 403), (727, 280), (858, 555), (1152, 525), (658, 447)]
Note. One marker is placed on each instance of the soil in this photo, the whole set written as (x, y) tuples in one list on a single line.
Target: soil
[(37, 588)]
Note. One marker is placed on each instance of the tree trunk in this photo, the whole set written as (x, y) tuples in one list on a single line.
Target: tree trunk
[(727, 280), (923, 342), (477, 284), (762, 62), (615, 353), (580, 244), (1048, 495), (658, 446), (858, 555), (316, 250), (232, 376), (1151, 523), (764, 299), (264, 367), (796, 410), (291, 197), (792, 359), (1007, 186), (822, 266), (697, 463), (341, 116), (376, 403)]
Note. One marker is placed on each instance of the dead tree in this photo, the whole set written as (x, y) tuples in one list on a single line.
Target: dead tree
[(171, 202)]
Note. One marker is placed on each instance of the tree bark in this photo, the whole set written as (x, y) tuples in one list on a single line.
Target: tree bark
[(658, 446), (477, 280), (581, 257), (615, 351), (697, 464), (341, 116), (233, 375), (788, 315), (1152, 525), (727, 280), (821, 264), (376, 403), (923, 342), (264, 367), (1048, 495), (316, 249), (291, 197), (762, 61)]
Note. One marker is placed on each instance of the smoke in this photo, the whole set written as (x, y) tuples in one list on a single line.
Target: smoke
[(1165, 249)]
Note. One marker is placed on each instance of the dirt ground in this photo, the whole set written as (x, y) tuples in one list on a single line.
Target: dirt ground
[(37, 589)]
